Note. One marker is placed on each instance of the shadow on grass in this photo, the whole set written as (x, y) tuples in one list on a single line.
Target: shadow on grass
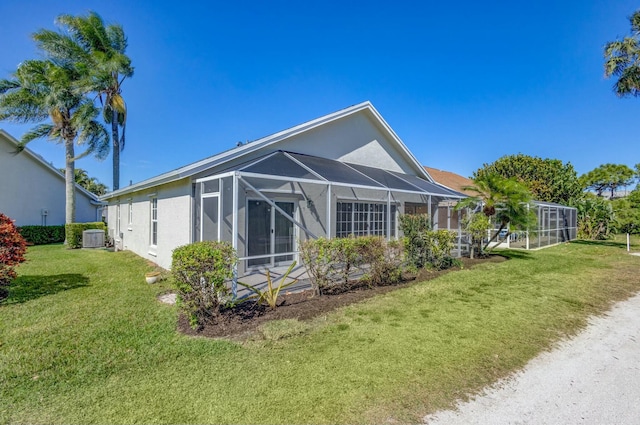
[(614, 244), (512, 254), (27, 288)]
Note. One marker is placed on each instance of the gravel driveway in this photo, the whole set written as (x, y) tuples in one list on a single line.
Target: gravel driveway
[(593, 378)]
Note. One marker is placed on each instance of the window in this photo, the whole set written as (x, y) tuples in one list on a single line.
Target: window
[(363, 218), (130, 213), (118, 221), (411, 208), (154, 221)]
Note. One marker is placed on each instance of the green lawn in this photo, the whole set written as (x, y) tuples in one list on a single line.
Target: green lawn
[(83, 340)]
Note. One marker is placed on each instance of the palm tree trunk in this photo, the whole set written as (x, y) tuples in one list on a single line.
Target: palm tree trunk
[(493, 238), (69, 180), (116, 149)]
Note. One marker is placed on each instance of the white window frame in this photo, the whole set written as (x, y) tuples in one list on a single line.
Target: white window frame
[(118, 221), (153, 219), (363, 216), (130, 224)]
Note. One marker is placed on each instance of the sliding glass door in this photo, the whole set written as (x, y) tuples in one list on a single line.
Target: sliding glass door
[(269, 233)]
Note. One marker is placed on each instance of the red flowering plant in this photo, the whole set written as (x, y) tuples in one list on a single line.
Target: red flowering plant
[(12, 250)]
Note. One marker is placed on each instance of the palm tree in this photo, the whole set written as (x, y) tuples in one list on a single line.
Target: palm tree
[(622, 59), (45, 92), (505, 201), (90, 183), (99, 51)]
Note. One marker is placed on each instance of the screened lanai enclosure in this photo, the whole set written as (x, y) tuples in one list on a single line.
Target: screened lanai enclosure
[(555, 224), (267, 206)]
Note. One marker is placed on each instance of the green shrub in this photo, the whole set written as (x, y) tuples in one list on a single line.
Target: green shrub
[(477, 226), (333, 263), (42, 235), (414, 228), (73, 232), (384, 260), (201, 271), (423, 246)]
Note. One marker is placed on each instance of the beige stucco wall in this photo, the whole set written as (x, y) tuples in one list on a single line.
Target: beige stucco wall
[(27, 187), (174, 221)]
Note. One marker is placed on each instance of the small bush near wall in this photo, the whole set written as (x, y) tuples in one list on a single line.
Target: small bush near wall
[(386, 260), (42, 235), (73, 232), (336, 262), (12, 250), (414, 228), (439, 244), (201, 271), (425, 247)]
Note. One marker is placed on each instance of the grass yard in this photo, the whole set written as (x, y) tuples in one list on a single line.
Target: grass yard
[(83, 340)]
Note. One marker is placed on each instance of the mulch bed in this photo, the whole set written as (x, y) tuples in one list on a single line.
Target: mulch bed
[(248, 316)]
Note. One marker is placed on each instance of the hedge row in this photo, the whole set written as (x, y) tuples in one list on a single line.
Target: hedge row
[(74, 232), (42, 235), (337, 262)]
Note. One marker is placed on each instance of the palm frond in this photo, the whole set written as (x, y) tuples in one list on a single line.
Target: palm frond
[(37, 132), (96, 139), (60, 48), (6, 85)]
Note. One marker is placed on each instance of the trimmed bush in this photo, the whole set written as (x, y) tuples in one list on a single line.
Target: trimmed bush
[(334, 263), (440, 243), (73, 232), (425, 247), (12, 250), (201, 271), (42, 235), (414, 227)]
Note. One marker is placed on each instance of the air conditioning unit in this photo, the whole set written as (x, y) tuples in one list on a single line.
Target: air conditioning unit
[(93, 238)]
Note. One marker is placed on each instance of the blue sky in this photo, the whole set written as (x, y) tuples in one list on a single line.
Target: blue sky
[(462, 83)]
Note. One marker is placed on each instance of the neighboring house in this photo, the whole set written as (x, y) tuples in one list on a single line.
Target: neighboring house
[(451, 180), (32, 191), (341, 174), (555, 223)]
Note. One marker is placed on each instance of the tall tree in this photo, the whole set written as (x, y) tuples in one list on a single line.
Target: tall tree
[(607, 177), (627, 213), (548, 180), (622, 60), (99, 50), (505, 201), (46, 92), (596, 217), (90, 183)]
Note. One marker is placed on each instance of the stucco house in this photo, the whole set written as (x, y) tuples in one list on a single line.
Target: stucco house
[(32, 191), (341, 174)]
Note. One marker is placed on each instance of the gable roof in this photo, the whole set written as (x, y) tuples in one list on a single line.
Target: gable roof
[(41, 161), (270, 141), (451, 180)]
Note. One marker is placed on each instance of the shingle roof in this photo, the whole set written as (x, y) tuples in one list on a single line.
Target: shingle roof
[(451, 180)]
